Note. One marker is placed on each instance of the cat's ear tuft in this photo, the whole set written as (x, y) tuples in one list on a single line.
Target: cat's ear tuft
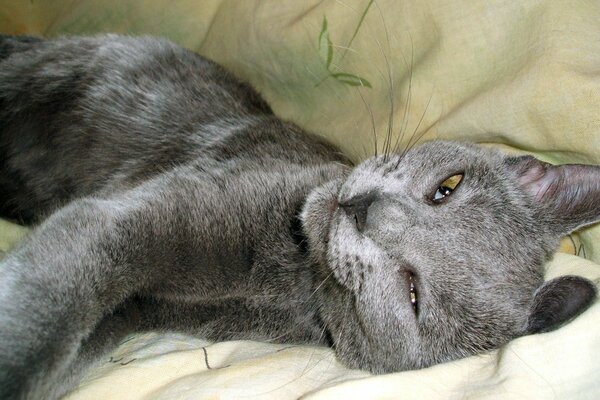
[(559, 300), (567, 197)]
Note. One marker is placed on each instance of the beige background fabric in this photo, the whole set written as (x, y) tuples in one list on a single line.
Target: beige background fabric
[(520, 75)]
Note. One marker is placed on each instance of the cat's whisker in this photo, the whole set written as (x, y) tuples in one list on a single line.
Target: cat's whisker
[(373, 126), (532, 369), (323, 281), (410, 143), (345, 48), (408, 101), (310, 365), (362, 17), (365, 152), (291, 330), (344, 325), (321, 284), (387, 145), (390, 129), (388, 148), (384, 75)]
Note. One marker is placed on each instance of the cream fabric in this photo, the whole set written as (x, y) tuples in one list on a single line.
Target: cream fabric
[(521, 75), (558, 365)]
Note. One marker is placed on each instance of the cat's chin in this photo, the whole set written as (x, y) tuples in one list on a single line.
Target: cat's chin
[(316, 216)]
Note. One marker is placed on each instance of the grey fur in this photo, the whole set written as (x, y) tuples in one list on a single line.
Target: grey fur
[(168, 196)]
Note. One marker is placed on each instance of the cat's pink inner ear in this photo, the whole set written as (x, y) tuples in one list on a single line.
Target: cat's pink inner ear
[(568, 196), (537, 178)]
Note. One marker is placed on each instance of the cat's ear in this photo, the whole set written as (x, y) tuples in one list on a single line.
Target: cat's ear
[(567, 197), (559, 300)]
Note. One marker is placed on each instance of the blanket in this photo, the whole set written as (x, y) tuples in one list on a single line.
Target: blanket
[(370, 75)]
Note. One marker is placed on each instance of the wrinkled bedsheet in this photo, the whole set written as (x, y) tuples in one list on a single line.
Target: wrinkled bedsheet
[(523, 76)]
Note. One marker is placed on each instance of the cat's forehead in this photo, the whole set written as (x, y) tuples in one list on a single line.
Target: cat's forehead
[(423, 165), (438, 156)]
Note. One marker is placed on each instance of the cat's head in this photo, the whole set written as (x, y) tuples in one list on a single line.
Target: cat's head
[(438, 254)]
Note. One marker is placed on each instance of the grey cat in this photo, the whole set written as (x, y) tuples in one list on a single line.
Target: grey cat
[(167, 196)]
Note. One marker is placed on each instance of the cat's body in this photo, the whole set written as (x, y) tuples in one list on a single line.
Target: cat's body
[(176, 200)]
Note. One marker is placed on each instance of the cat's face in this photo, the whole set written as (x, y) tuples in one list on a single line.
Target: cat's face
[(427, 257)]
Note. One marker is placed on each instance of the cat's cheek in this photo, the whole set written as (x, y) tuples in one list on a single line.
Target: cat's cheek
[(369, 338), (316, 216)]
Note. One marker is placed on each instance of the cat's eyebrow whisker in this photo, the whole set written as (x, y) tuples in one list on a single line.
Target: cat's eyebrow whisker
[(363, 14), (420, 136), (390, 130), (365, 152), (373, 126), (410, 143), (408, 101), (383, 75)]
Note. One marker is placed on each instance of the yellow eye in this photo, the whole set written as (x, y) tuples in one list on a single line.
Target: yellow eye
[(447, 187)]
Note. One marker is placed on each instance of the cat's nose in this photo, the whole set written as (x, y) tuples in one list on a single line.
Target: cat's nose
[(357, 208)]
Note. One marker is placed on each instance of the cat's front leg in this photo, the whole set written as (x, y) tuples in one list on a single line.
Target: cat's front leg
[(75, 268)]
